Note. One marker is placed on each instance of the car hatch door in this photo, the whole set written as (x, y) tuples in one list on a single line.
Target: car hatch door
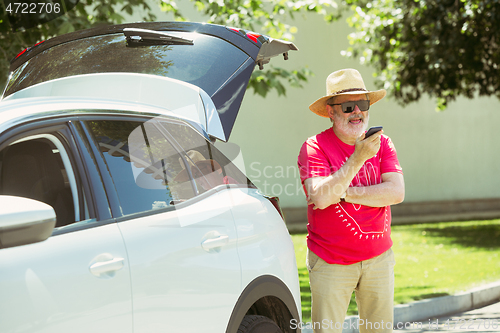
[(228, 97)]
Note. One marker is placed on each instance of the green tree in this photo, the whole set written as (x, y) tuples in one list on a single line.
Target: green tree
[(86, 14), (444, 48), (264, 16)]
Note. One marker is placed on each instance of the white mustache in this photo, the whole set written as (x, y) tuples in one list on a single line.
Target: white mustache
[(360, 116)]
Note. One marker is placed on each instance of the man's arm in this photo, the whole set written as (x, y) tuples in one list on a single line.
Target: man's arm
[(325, 191), (390, 192)]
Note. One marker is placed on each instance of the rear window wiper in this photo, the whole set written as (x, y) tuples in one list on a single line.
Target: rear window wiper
[(143, 37)]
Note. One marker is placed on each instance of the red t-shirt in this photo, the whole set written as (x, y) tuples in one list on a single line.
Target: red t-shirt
[(346, 233), (229, 180)]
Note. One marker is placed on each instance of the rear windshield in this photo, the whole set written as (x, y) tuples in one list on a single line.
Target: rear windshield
[(208, 63)]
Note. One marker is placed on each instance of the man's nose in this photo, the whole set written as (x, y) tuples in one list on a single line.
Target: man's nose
[(356, 109)]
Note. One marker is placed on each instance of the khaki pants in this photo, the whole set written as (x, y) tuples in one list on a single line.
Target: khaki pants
[(332, 287)]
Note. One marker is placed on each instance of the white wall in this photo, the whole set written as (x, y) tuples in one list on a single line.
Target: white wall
[(447, 155)]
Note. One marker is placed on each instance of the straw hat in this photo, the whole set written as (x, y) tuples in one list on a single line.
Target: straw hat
[(344, 82), (194, 158)]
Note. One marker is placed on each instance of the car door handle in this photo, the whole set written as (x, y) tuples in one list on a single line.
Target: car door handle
[(218, 241), (109, 266)]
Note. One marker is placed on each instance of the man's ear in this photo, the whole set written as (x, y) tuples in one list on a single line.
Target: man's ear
[(330, 111)]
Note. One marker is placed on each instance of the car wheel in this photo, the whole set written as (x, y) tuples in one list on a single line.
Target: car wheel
[(258, 324)]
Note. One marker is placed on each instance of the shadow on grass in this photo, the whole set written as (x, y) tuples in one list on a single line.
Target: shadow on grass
[(405, 298), (431, 295), (480, 236)]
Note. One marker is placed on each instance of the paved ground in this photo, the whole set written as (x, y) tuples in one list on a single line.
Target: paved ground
[(485, 319)]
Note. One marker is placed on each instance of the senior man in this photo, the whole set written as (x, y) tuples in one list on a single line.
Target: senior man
[(350, 182)]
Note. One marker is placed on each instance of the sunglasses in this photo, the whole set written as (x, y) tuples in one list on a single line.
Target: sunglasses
[(348, 107)]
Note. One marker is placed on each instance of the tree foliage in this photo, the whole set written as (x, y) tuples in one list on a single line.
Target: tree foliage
[(445, 48), (86, 14), (265, 16), (256, 15)]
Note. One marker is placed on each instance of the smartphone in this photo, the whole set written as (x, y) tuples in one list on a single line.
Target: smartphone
[(372, 131)]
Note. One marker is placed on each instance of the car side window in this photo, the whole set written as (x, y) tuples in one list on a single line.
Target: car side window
[(209, 167), (147, 171), (38, 168)]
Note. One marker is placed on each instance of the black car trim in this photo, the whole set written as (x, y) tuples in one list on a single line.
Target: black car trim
[(133, 216), (81, 225), (33, 128), (62, 130), (238, 40), (180, 205), (83, 187), (109, 185), (181, 151), (144, 37), (260, 287), (229, 111), (237, 72), (99, 198), (171, 139), (183, 204), (117, 114)]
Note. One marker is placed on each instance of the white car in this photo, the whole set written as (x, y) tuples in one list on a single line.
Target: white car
[(117, 211)]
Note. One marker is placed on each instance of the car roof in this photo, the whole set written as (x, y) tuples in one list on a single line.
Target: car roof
[(167, 95), (15, 112)]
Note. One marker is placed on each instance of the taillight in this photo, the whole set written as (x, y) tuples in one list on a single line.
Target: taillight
[(28, 48), (250, 35), (276, 203), (20, 53), (253, 36)]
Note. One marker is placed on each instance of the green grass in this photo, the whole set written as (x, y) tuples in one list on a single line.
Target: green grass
[(434, 259)]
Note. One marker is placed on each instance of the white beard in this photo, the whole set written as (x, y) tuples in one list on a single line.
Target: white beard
[(348, 129)]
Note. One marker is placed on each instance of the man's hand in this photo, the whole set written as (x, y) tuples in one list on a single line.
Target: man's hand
[(367, 148), (325, 191), (311, 202)]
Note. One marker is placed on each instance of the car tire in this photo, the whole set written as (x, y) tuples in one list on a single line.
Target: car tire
[(258, 324)]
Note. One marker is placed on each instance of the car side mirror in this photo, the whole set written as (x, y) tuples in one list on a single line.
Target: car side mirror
[(24, 221)]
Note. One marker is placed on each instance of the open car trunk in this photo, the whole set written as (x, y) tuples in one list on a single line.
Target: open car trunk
[(216, 59)]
